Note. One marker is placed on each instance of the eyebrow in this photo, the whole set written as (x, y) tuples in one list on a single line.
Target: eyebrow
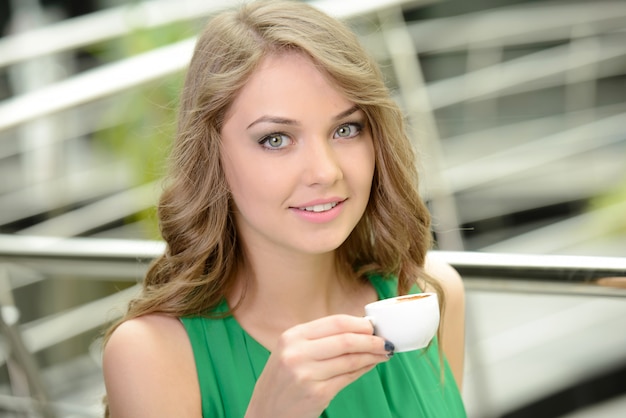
[(284, 121)]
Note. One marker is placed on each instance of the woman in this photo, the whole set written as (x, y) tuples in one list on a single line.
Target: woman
[(291, 203)]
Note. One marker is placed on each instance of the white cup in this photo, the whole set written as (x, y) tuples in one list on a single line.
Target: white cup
[(408, 321)]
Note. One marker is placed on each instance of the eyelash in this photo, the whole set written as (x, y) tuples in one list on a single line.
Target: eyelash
[(357, 125), (265, 139)]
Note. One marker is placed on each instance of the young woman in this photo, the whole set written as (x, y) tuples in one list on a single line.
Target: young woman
[(291, 203)]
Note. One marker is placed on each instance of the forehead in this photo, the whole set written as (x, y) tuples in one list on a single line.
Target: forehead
[(288, 82)]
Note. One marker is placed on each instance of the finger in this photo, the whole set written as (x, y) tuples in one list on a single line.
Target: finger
[(347, 343), (350, 366), (332, 325), (337, 383), (327, 389)]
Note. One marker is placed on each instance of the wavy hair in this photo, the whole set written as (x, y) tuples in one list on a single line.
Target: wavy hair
[(202, 252)]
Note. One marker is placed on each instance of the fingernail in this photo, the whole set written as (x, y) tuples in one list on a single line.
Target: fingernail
[(390, 354), (389, 346)]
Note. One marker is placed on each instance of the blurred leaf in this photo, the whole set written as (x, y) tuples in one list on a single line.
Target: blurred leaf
[(142, 121)]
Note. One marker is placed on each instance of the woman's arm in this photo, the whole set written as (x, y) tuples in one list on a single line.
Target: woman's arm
[(453, 320), (149, 370)]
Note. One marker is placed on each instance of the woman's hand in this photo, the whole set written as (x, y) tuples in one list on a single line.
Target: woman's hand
[(312, 362)]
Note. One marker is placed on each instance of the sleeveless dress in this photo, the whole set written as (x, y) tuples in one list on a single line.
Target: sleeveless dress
[(229, 362)]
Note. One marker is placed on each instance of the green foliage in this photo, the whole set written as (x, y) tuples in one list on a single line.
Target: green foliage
[(141, 124), (615, 198), (142, 121), (144, 128)]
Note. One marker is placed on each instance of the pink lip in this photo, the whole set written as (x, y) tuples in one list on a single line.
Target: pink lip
[(319, 217), (319, 202)]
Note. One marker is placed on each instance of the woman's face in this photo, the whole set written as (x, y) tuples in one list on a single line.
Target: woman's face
[(298, 157)]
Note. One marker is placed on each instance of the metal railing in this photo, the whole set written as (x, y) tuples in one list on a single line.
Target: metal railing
[(28, 259), (127, 259)]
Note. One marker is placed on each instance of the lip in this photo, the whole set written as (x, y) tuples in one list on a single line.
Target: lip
[(319, 217), (319, 202)]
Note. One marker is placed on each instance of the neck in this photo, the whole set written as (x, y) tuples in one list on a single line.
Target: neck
[(275, 293), (301, 287)]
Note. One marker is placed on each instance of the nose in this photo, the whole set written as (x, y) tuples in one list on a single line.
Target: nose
[(322, 165)]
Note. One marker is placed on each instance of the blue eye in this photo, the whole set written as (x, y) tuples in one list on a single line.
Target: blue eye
[(274, 141), (347, 130)]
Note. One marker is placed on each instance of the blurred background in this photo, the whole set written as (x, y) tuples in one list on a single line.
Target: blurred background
[(518, 111)]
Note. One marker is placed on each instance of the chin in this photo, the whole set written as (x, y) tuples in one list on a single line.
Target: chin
[(322, 248)]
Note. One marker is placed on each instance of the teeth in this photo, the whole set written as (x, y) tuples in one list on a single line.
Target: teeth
[(320, 208)]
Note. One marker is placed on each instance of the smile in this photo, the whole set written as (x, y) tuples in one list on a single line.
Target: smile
[(320, 208)]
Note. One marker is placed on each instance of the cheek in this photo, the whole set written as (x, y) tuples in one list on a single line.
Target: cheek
[(243, 185), (252, 186), (371, 163), (235, 176), (362, 165)]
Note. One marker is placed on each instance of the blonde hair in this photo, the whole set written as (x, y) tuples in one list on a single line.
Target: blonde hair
[(202, 252)]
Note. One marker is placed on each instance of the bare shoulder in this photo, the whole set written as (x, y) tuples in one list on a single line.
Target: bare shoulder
[(446, 275), (149, 369), (453, 320), (146, 336)]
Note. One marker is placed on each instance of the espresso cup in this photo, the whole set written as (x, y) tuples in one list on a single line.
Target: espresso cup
[(408, 321)]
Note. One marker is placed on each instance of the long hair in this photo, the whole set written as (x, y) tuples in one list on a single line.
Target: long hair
[(202, 251)]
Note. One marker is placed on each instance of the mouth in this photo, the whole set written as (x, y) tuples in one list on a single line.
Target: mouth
[(319, 208)]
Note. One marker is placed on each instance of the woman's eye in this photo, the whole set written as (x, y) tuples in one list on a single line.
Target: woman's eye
[(347, 130), (274, 141)]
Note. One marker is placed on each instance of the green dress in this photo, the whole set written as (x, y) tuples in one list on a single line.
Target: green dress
[(229, 362)]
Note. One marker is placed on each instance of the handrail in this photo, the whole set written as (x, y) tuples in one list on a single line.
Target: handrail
[(568, 268), (508, 25), (534, 71), (127, 259), (100, 26), (565, 274), (96, 84), (599, 133)]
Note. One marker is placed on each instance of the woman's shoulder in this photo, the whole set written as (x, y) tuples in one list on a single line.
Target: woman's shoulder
[(453, 320), (146, 334), (449, 279), (149, 369), (148, 324)]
